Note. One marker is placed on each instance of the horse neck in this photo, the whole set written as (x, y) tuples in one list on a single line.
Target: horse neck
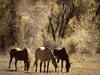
[(52, 57), (50, 53)]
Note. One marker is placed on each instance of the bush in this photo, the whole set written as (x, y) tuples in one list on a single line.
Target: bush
[(72, 47)]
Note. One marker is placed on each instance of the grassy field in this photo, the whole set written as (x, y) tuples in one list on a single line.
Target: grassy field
[(87, 65)]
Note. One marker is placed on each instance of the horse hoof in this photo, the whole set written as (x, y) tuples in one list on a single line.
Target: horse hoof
[(15, 69), (35, 70), (44, 71), (47, 71), (61, 70)]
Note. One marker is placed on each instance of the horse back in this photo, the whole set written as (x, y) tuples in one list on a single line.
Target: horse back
[(19, 54), (61, 54), (43, 54)]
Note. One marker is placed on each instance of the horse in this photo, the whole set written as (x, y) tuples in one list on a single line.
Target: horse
[(44, 54), (22, 55), (63, 56)]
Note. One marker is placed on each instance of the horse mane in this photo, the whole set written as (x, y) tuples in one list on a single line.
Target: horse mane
[(16, 48)]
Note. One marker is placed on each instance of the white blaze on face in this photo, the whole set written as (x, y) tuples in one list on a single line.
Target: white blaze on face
[(42, 48)]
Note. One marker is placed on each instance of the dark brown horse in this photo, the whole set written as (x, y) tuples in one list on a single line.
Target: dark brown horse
[(63, 56), (20, 54)]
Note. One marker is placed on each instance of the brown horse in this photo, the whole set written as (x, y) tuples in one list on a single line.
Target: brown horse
[(44, 55), (20, 54), (62, 55)]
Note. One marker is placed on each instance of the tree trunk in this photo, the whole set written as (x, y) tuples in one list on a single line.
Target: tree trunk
[(15, 27)]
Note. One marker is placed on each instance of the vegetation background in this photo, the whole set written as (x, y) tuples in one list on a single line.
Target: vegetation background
[(73, 24)]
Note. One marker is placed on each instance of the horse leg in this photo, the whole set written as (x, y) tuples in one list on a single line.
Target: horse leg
[(61, 65), (36, 66), (15, 64), (41, 65), (25, 65), (57, 60), (48, 65), (67, 66), (28, 65), (35, 63), (44, 65), (10, 61)]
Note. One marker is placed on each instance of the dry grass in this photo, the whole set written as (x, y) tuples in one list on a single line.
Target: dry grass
[(89, 65)]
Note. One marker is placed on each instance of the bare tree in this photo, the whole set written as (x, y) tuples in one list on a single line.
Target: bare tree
[(59, 22), (98, 10)]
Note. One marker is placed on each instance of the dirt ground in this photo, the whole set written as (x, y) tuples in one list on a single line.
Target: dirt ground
[(89, 65)]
